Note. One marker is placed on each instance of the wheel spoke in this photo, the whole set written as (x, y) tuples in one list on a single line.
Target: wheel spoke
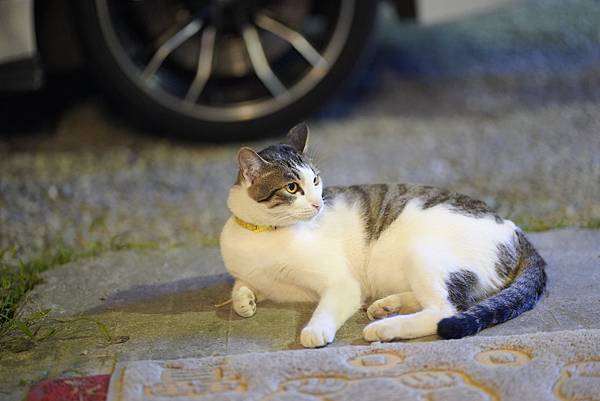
[(169, 45), (205, 61), (294, 38), (259, 62)]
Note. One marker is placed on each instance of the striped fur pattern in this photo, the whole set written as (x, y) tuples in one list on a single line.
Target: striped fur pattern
[(519, 296), (431, 260), (381, 204)]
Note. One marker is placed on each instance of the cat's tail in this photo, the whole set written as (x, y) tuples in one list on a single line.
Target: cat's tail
[(520, 296)]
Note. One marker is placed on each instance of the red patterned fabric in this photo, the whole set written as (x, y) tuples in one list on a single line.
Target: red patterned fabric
[(90, 388)]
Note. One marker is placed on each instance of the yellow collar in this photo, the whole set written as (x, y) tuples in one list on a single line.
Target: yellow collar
[(253, 227)]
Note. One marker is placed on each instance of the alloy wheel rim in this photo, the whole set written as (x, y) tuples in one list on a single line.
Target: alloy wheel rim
[(149, 74)]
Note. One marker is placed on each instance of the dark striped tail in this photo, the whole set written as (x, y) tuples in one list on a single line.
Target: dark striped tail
[(519, 297)]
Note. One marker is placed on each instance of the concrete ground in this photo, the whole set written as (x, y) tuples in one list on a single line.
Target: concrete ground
[(164, 304), (504, 107)]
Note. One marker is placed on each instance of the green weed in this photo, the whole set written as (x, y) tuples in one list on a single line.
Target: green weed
[(592, 224), (22, 333), (17, 278), (535, 224), (529, 223), (208, 241)]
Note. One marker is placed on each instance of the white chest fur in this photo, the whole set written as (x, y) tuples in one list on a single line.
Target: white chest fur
[(284, 263)]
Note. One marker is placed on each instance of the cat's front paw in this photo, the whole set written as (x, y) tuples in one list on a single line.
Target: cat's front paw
[(379, 331), (244, 302), (317, 335)]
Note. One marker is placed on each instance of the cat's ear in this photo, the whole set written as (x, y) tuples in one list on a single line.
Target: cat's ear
[(297, 137), (251, 164)]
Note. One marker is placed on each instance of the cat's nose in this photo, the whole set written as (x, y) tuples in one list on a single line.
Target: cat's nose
[(316, 205)]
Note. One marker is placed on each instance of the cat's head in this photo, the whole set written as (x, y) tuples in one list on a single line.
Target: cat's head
[(279, 185)]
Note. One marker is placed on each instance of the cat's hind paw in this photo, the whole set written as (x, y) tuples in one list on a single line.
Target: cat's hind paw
[(244, 302), (380, 309), (402, 303), (317, 335)]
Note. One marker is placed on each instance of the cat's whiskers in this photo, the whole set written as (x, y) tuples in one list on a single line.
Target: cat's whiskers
[(285, 217)]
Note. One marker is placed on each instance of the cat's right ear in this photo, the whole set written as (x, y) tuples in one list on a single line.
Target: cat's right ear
[(297, 137), (250, 164)]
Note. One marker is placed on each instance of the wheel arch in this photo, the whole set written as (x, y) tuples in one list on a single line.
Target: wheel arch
[(57, 39)]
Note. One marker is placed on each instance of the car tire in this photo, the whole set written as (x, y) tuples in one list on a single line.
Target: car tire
[(141, 102)]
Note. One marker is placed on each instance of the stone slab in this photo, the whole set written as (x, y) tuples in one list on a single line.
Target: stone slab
[(163, 288)]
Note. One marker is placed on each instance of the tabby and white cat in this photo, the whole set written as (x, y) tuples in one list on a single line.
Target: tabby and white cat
[(433, 260)]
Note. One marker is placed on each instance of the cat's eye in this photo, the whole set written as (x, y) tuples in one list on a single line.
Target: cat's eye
[(292, 187), (316, 180)]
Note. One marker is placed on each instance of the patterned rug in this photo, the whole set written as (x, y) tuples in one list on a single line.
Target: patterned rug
[(547, 366)]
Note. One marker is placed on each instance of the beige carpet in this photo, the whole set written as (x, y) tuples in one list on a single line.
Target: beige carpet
[(547, 366)]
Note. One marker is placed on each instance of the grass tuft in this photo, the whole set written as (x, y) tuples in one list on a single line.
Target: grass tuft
[(533, 224), (18, 277), (592, 224)]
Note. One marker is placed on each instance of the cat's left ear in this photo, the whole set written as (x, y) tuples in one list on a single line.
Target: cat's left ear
[(297, 137), (251, 164)]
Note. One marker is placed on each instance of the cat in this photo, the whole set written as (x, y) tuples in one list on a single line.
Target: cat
[(434, 261)]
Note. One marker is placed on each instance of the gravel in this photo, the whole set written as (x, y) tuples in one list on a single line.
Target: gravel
[(504, 107)]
